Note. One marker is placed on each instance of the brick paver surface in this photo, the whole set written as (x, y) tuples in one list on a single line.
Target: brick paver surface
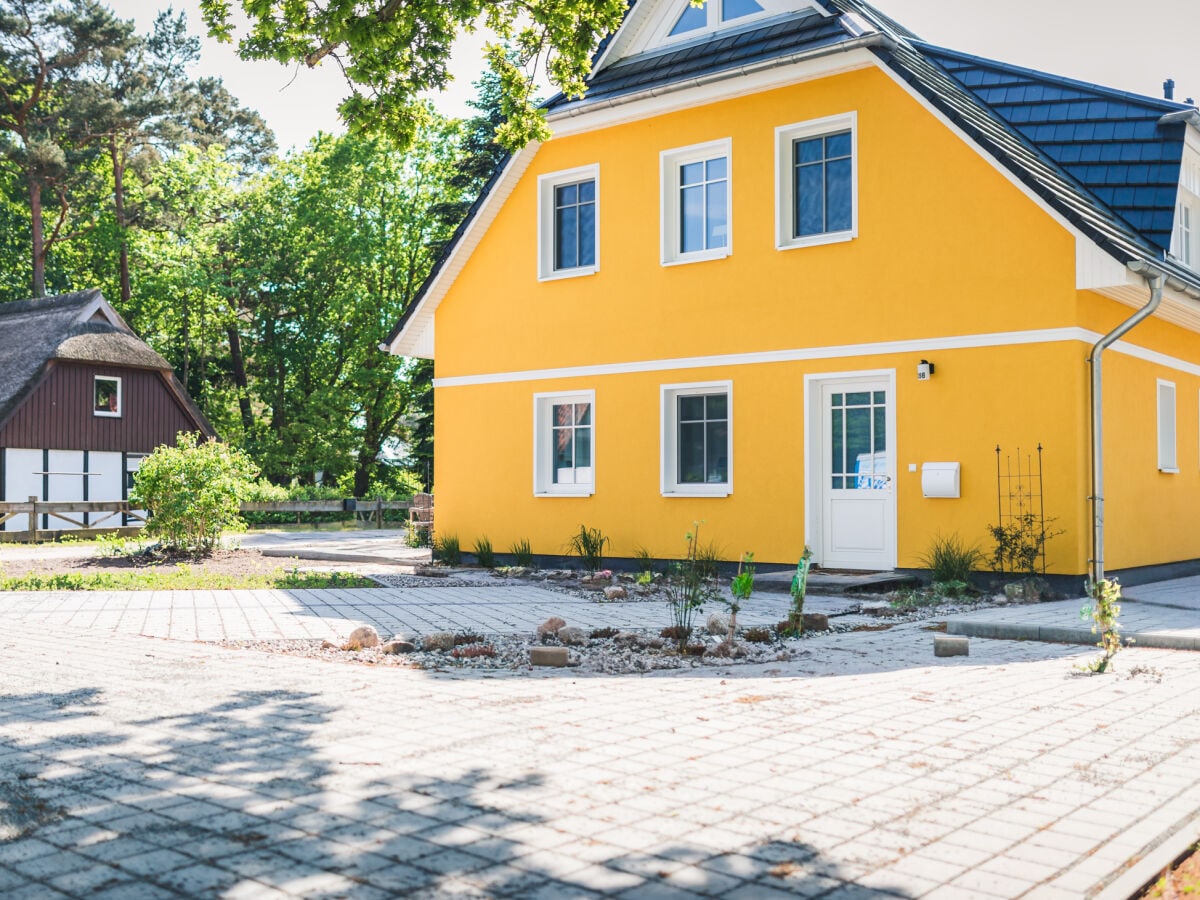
[(333, 614), (134, 767)]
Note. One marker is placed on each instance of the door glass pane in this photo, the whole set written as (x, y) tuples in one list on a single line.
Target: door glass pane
[(838, 446), (880, 444), (861, 398)]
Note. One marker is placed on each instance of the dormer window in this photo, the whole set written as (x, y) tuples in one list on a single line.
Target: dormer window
[(1185, 241), (712, 14)]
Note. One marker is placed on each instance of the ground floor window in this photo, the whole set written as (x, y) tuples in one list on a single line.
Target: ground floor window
[(564, 444), (697, 446)]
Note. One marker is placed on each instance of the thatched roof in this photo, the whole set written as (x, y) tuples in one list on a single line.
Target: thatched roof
[(78, 327)]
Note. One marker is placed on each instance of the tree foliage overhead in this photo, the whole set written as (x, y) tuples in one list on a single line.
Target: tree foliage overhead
[(393, 51)]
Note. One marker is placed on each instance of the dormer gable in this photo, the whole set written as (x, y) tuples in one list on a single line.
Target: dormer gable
[(669, 24), (1185, 239)]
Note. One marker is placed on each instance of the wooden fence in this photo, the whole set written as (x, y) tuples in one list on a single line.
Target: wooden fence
[(71, 511)]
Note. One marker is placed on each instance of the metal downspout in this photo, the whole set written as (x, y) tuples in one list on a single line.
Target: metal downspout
[(1154, 278)]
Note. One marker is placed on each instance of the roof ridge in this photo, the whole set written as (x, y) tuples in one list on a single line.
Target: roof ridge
[(1167, 106), (59, 301)]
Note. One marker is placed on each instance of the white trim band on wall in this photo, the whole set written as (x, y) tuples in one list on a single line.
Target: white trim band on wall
[(960, 342)]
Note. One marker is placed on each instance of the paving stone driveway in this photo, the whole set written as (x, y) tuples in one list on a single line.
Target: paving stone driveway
[(135, 767), (333, 614)]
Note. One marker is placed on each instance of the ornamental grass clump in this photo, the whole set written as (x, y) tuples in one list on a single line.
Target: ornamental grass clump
[(688, 589), (484, 554), (588, 544), (193, 491)]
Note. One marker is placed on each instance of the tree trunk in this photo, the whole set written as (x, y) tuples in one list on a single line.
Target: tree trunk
[(38, 242), (238, 363), (118, 167)]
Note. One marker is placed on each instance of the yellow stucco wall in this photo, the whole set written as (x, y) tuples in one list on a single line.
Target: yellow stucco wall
[(947, 247)]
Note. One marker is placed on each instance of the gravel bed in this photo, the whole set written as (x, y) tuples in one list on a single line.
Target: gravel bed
[(631, 652)]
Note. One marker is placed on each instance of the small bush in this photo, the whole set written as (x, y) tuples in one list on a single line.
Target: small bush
[(949, 559), (193, 491), (522, 553), (467, 637), (446, 550), (484, 554), (588, 544), (603, 633), (758, 635)]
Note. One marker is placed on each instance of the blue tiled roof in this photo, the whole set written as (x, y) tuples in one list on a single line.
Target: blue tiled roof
[(774, 39), (1109, 141)]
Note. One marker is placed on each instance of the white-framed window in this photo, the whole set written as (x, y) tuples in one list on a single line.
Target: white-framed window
[(1167, 459), (697, 439), (1185, 239), (816, 182), (696, 192), (564, 444), (711, 15), (106, 396), (569, 223)]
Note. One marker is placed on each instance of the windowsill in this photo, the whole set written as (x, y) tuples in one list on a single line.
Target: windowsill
[(560, 274), (694, 490), (581, 493), (698, 256), (816, 240), (106, 415), (1168, 471)]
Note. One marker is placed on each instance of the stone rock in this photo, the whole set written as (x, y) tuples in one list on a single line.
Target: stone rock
[(397, 647), (614, 593), (362, 638), (572, 636), (717, 624), (551, 626), (438, 640), (632, 638), (815, 622), (726, 650), (548, 656), (950, 645)]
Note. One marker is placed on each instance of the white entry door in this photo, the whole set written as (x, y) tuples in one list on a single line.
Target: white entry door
[(857, 473)]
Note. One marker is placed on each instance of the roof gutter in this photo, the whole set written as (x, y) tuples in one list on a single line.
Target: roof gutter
[(584, 106), (1155, 279)]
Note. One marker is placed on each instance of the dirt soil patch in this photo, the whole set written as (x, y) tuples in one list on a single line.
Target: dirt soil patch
[(1181, 881), (221, 562)]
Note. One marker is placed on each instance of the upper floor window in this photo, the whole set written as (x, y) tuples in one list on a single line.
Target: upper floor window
[(1185, 241), (695, 203), (106, 396), (568, 223), (816, 173), (711, 14)]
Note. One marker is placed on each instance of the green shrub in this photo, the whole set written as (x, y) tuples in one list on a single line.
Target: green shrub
[(950, 560), (484, 554), (522, 553), (588, 545), (193, 491), (446, 549), (688, 588)]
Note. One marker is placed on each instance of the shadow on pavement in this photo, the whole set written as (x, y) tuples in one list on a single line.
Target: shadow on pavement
[(240, 796)]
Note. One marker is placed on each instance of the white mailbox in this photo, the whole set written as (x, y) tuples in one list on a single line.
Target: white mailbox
[(940, 479)]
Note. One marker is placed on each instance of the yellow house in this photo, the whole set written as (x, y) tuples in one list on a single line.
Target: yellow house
[(793, 272)]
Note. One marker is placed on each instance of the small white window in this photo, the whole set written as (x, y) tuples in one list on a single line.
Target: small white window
[(107, 396), (712, 14), (569, 223), (564, 444), (1184, 240), (816, 182), (697, 439), (696, 193), (1166, 427)]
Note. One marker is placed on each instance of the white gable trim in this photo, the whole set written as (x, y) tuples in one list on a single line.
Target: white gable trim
[(647, 27), (416, 338), (100, 305)]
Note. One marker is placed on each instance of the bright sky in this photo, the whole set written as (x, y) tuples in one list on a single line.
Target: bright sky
[(1104, 41)]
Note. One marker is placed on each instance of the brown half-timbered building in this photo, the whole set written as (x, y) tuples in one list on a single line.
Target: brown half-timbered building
[(82, 401)]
